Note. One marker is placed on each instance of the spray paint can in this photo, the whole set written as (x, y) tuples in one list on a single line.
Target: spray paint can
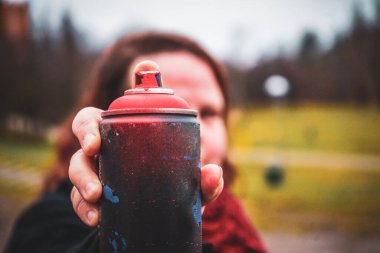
[(149, 166)]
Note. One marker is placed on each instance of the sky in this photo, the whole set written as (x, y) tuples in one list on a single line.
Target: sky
[(241, 30)]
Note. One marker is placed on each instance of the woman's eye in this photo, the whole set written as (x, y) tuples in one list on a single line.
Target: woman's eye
[(207, 113)]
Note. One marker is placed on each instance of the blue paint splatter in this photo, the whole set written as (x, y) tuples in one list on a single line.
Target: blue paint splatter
[(124, 243), (197, 212), (164, 157), (117, 242), (114, 245), (108, 194), (187, 157)]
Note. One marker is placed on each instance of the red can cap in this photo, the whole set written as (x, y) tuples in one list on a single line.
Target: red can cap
[(148, 96)]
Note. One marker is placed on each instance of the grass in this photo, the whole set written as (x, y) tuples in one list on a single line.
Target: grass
[(344, 129), (23, 153), (308, 199)]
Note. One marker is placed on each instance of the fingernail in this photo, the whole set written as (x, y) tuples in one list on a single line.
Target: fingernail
[(90, 188), (220, 172), (88, 139), (91, 216), (220, 175)]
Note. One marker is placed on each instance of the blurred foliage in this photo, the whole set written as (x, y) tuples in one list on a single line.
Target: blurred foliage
[(347, 72), (41, 71), (349, 129)]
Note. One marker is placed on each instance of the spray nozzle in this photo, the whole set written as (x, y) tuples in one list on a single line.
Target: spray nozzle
[(148, 79)]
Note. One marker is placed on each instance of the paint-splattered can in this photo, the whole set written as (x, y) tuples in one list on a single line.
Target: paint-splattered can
[(149, 166)]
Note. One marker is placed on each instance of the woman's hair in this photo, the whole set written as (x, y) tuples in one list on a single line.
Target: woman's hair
[(108, 83)]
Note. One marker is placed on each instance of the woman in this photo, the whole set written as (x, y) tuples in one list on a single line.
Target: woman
[(194, 76)]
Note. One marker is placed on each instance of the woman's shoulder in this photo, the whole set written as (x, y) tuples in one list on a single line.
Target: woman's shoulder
[(50, 223), (51, 207)]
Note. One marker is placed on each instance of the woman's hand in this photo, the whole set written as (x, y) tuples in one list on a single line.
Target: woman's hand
[(83, 169)]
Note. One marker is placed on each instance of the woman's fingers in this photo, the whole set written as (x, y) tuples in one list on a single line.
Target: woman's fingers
[(82, 175), (86, 211), (87, 188), (211, 182), (86, 128)]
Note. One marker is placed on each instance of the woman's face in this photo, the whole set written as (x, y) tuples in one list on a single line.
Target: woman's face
[(193, 80)]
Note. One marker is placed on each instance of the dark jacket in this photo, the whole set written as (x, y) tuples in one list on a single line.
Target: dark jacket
[(51, 225)]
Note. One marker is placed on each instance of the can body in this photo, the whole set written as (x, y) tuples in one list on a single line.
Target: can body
[(149, 166)]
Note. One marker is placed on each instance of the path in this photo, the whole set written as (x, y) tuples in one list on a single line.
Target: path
[(316, 242)]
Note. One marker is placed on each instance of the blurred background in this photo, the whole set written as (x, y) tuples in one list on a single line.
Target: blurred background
[(304, 128)]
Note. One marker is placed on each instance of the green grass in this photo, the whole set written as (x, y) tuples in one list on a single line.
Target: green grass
[(345, 129), (311, 198), (22, 153), (331, 199)]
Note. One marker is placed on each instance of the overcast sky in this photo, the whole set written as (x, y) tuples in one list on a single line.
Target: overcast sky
[(244, 29)]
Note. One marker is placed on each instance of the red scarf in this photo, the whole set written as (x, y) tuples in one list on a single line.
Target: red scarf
[(226, 226)]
